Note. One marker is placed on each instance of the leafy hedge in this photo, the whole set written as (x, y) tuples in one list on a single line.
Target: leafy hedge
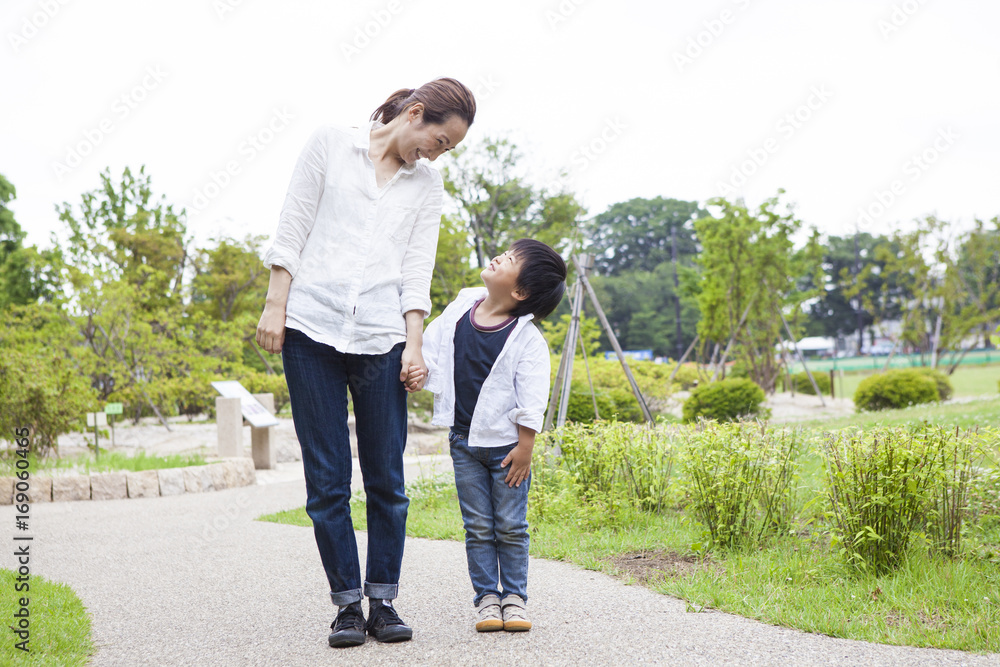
[(801, 383), (895, 389), (726, 400), (943, 383)]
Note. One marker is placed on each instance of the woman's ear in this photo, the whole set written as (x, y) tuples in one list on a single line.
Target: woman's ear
[(415, 113)]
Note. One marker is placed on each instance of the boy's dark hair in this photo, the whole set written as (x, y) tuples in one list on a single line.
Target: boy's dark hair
[(542, 276)]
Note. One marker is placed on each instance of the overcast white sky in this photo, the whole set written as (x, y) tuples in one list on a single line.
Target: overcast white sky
[(832, 100)]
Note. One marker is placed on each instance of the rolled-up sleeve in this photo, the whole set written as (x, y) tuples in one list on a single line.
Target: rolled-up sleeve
[(418, 261), (531, 384), (298, 214)]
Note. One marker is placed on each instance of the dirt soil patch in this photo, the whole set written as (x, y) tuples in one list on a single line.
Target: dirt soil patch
[(650, 566)]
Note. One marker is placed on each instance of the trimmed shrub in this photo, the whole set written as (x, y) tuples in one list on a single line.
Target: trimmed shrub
[(802, 384), (940, 379), (726, 400), (895, 389)]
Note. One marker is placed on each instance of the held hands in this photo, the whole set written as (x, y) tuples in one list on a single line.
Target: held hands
[(414, 372), (519, 460)]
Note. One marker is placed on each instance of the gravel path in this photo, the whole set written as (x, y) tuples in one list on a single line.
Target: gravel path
[(194, 580)]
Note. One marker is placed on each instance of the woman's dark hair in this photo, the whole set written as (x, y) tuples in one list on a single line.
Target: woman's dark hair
[(542, 276), (442, 98)]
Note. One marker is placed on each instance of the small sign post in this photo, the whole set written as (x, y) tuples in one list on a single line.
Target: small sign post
[(113, 409), (97, 419)]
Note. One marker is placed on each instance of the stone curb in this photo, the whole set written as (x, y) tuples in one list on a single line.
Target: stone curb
[(228, 473)]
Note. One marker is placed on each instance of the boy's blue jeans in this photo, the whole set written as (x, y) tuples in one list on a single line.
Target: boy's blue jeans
[(318, 378), (495, 517)]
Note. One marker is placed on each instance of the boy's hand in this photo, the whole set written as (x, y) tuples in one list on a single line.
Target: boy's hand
[(519, 460), (416, 378)]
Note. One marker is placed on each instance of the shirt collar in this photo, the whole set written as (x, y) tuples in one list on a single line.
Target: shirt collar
[(362, 141)]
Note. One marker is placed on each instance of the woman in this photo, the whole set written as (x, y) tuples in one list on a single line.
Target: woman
[(349, 289)]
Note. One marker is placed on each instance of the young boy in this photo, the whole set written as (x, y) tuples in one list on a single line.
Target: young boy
[(488, 367)]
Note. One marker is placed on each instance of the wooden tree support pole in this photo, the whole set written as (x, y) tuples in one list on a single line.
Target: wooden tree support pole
[(565, 361), (791, 339), (569, 351), (729, 345), (614, 343), (682, 359)]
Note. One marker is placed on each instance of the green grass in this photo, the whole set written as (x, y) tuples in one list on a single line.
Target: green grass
[(966, 381), (973, 413), (108, 462), (60, 625)]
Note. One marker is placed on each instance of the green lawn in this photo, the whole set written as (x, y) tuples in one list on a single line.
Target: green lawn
[(59, 624), (108, 462)]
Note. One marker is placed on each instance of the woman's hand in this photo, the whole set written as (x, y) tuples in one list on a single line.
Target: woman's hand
[(271, 328), (413, 373)]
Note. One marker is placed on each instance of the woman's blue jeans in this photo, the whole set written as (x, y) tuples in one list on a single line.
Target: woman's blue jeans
[(495, 517), (319, 378)]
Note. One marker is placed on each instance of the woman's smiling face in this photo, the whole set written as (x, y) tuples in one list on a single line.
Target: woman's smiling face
[(429, 140)]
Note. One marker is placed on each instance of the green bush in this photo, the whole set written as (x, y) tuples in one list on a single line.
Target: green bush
[(943, 382), (801, 383), (739, 480), (895, 389), (726, 400), (44, 393), (687, 376), (618, 462), (886, 483)]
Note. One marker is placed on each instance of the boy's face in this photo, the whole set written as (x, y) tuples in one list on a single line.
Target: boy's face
[(502, 274)]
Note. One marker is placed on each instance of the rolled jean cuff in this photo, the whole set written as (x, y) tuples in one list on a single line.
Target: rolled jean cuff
[(381, 591), (344, 598)]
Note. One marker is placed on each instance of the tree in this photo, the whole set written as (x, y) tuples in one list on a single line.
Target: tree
[(122, 233), (452, 266), (27, 275), (229, 279), (977, 268), (636, 235), (749, 265), (641, 310), (840, 310), (499, 206)]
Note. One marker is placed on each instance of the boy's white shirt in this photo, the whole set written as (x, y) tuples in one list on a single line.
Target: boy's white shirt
[(515, 392)]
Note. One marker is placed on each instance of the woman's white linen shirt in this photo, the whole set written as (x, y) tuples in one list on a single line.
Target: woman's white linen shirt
[(360, 256), (515, 392)]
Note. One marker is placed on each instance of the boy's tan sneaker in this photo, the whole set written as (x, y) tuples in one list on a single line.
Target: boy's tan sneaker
[(488, 616), (515, 616)]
